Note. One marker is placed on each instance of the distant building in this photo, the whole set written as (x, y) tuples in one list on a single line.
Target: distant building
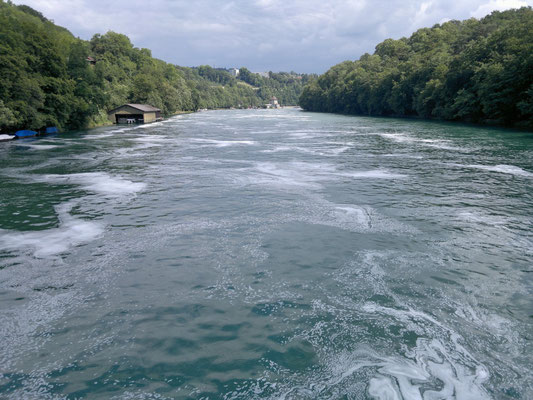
[(273, 103), (134, 114), (235, 72), (91, 60)]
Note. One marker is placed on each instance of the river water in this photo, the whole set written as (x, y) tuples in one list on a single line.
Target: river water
[(268, 254)]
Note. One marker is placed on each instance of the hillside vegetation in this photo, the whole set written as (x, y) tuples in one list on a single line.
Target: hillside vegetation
[(46, 79), (475, 70)]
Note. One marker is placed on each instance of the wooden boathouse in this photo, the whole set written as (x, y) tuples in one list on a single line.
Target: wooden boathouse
[(134, 114)]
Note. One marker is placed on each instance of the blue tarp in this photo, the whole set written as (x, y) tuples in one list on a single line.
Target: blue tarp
[(25, 133)]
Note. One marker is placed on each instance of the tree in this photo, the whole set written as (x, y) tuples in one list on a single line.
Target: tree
[(478, 71)]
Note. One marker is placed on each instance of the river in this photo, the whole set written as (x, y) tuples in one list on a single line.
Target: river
[(268, 254)]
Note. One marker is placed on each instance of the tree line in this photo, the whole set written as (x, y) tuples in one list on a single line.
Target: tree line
[(478, 71), (48, 77)]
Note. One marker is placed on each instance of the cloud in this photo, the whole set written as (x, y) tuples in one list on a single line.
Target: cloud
[(301, 35), (497, 5)]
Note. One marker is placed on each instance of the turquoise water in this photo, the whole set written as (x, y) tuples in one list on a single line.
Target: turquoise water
[(269, 254)]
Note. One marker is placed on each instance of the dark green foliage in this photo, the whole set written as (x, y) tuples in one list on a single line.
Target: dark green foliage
[(475, 70), (286, 86), (219, 89), (131, 75), (46, 79), (34, 84)]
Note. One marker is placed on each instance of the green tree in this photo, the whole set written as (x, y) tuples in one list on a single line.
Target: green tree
[(474, 70)]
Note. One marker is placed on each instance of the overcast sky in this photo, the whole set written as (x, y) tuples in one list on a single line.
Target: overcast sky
[(263, 35)]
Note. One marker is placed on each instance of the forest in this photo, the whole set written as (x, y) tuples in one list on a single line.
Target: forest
[(48, 77), (478, 71)]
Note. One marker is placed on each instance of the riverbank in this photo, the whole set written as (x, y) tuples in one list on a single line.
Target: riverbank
[(488, 124)]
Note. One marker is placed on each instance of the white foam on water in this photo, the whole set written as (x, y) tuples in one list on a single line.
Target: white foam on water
[(279, 149), (477, 217), (502, 168), (440, 144), (147, 126), (359, 215), (451, 148), (292, 174), (224, 143), (495, 323), (441, 358), (145, 142), (71, 232), (302, 134), (266, 131), (383, 388), (99, 182), (151, 139), (428, 372), (125, 129), (97, 137), (335, 152), (320, 151), (437, 367), (405, 378), (107, 134), (396, 137), (374, 174), (146, 145), (403, 156), (303, 174), (325, 151), (6, 137), (255, 115), (136, 151), (350, 217), (435, 143), (40, 146), (158, 123)]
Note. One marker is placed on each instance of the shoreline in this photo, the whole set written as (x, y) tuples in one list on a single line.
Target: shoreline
[(516, 128), (107, 123)]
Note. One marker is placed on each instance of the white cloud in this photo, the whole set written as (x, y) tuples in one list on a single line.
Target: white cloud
[(497, 5), (302, 35)]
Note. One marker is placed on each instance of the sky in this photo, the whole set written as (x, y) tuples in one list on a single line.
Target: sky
[(306, 36)]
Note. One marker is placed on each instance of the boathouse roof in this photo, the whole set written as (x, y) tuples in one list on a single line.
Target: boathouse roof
[(140, 107)]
